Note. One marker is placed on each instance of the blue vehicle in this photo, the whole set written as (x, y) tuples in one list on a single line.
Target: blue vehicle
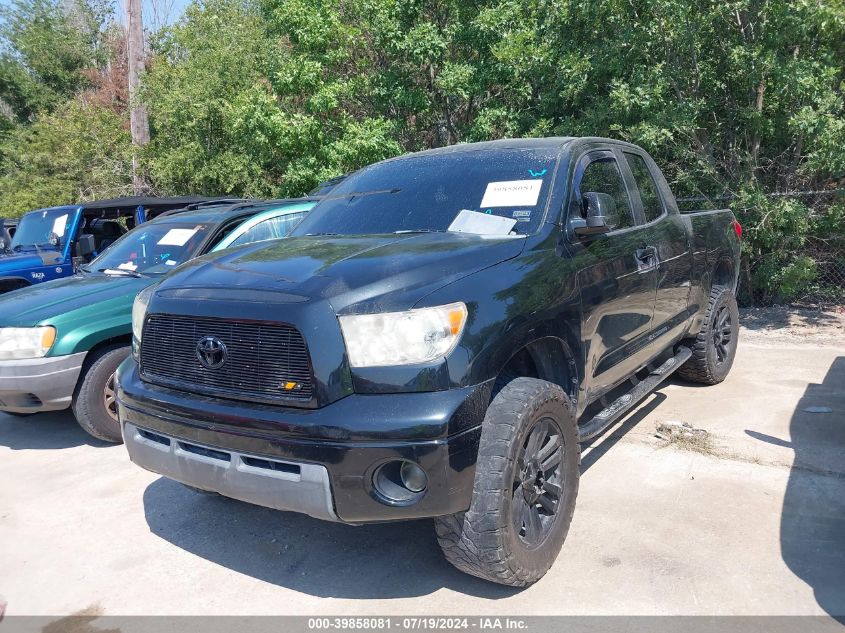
[(53, 243)]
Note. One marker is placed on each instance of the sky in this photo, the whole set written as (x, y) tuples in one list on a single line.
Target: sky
[(157, 13)]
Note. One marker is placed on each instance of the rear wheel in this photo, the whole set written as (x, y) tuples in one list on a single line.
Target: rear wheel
[(94, 403), (526, 482), (714, 347)]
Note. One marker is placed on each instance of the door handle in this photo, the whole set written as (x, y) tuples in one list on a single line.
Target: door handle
[(646, 258)]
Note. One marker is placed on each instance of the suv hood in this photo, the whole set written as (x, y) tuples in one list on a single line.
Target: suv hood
[(14, 262), (84, 298), (375, 273)]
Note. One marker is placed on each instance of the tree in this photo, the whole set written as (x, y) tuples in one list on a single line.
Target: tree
[(81, 151), (46, 46)]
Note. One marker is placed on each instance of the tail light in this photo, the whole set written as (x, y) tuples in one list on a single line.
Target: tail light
[(738, 229)]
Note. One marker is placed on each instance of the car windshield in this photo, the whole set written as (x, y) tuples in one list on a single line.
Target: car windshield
[(41, 229), (427, 192), (152, 249)]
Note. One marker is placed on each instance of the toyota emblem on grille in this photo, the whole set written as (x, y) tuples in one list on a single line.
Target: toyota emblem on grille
[(211, 352)]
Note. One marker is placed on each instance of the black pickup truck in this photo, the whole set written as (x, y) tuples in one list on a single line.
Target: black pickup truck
[(435, 340)]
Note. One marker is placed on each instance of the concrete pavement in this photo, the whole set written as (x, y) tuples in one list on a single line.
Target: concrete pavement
[(754, 525)]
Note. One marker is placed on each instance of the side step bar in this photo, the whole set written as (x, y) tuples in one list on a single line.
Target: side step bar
[(626, 402)]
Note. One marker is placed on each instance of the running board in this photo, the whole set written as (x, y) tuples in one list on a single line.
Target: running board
[(626, 402)]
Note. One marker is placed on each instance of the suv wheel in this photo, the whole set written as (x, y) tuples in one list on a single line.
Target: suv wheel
[(526, 482), (94, 402), (714, 347)]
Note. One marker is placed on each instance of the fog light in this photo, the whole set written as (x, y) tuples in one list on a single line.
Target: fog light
[(413, 477), (399, 482)]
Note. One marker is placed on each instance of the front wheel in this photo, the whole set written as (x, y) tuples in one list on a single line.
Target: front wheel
[(94, 403), (526, 482)]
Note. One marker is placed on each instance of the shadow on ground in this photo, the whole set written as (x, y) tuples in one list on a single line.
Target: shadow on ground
[(813, 520), (782, 317), (44, 431), (388, 560)]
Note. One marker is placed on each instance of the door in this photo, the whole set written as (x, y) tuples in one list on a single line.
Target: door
[(667, 233), (616, 277)]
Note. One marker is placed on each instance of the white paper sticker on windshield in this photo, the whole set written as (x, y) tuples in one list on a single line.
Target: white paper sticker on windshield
[(512, 193), (481, 223), (59, 225), (177, 237), (170, 262), (128, 266)]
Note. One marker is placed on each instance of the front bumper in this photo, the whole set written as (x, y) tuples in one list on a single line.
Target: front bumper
[(39, 384), (316, 461)]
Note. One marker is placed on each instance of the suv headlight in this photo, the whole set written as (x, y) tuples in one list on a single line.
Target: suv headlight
[(402, 338), (139, 312), (26, 342)]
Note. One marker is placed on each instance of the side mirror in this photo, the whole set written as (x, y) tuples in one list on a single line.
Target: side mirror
[(596, 208), (85, 245)]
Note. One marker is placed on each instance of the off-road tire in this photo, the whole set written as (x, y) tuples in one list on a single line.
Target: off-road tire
[(704, 366), (89, 406), (484, 541)]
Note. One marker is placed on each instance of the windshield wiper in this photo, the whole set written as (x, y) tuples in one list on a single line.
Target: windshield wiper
[(319, 234), (403, 231), (355, 194), (120, 272)]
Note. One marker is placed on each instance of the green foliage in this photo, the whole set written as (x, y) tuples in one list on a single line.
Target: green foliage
[(46, 47), (268, 97), (78, 152)]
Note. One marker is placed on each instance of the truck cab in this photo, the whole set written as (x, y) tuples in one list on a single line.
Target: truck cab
[(52, 243)]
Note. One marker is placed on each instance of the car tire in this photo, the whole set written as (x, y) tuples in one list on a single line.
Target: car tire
[(93, 402), (714, 347), (526, 482)]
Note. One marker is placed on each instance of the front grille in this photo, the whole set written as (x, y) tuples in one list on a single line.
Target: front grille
[(262, 358)]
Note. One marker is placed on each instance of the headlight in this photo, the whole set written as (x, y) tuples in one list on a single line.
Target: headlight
[(402, 338), (26, 342), (139, 311)]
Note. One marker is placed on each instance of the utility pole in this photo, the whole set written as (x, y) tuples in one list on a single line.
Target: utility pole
[(139, 125)]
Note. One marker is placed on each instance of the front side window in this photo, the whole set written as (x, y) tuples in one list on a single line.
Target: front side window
[(269, 229), (427, 192), (652, 204), (603, 176)]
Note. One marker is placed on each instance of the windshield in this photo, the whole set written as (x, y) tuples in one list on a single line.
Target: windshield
[(41, 229), (427, 192), (153, 248)]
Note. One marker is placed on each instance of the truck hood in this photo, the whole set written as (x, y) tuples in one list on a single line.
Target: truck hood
[(81, 298), (374, 273)]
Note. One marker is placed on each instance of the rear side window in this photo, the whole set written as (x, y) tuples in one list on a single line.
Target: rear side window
[(652, 204), (603, 176), (269, 229)]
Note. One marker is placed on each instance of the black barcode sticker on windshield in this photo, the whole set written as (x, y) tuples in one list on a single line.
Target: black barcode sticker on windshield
[(522, 215)]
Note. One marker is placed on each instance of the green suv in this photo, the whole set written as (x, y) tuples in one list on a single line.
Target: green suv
[(61, 341)]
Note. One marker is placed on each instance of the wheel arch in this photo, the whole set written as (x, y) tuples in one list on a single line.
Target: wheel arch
[(724, 274), (546, 357), (92, 354), (7, 284)]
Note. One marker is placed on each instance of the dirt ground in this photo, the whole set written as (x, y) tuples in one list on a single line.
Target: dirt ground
[(725, 500)]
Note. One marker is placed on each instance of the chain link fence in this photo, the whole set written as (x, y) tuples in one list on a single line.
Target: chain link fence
[(793, 246)]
